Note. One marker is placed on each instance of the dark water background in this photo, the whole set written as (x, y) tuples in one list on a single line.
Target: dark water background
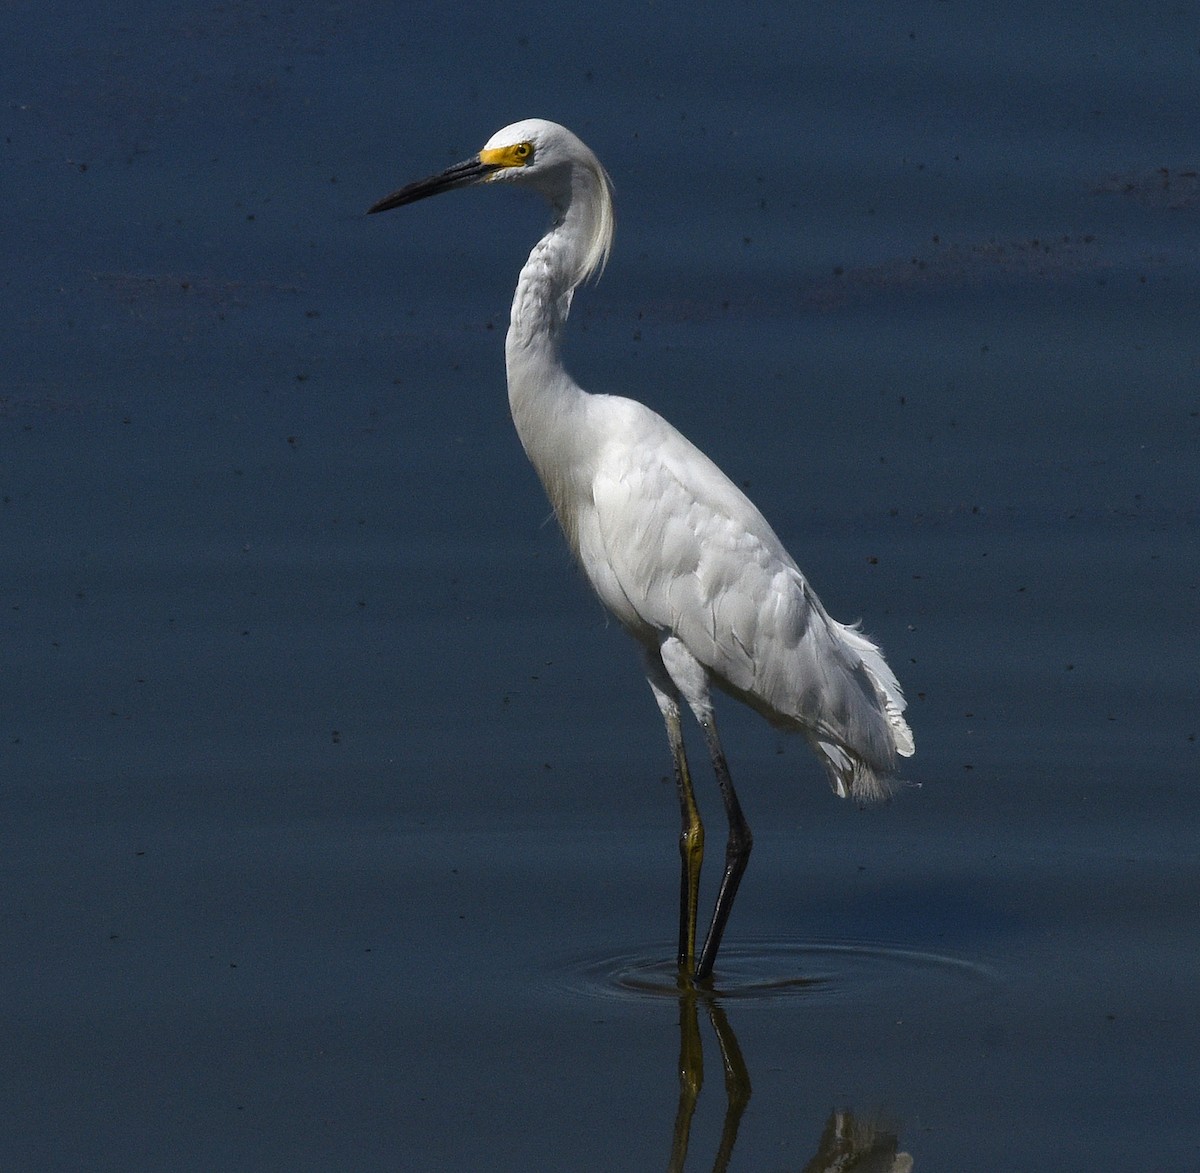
[(335, 830)]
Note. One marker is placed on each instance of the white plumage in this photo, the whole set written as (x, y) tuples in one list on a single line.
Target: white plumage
[(675, 550)]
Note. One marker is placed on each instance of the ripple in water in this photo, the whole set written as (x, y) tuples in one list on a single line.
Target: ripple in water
[(827, 972)]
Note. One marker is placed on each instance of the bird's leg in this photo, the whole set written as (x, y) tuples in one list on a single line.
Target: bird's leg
[(691, 834), (737, 850), (691, 847)]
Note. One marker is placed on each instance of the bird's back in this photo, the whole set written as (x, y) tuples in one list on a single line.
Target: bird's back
[(672, 545)]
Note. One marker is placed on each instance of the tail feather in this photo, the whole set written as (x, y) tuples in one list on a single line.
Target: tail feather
[(887, 687), (850, 776)]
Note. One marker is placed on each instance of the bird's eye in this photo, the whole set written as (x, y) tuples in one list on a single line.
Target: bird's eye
[(523, 151)]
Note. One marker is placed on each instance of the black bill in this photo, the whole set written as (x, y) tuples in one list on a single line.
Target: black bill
[(460, 175)]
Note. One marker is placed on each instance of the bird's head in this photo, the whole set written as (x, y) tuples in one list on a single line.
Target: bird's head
[(538, 154), (534, 152)]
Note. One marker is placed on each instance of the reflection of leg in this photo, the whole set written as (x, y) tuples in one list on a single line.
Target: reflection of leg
[(737, 1083), (691, 1073), (691, 835), (737, 850)]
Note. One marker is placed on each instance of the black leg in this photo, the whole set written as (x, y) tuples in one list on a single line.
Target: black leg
[(737, 853)]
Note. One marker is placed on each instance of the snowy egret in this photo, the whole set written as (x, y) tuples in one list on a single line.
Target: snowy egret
[(674, 549)]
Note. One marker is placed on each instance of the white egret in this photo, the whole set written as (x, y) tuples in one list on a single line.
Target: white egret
[(675, 550)]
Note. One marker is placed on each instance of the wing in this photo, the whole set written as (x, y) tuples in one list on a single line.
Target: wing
[(681, 549)]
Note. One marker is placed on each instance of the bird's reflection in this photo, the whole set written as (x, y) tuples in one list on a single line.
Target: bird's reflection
[(848, 1144), (691, 1073), (851, 1144)]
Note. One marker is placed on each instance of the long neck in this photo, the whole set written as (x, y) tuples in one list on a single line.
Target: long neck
[(547, 405), (556, 265), (539, 386), (542, 300), (575, 247)]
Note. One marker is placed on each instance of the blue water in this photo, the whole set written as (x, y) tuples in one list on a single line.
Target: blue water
[(335, 825)]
